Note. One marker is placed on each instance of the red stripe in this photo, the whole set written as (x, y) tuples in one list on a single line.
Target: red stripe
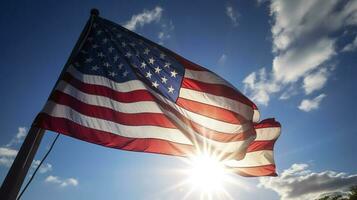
[(150, 145), (188, 64), (132, 119), (267, 123), (261, 145), (266, 170), (217, 89), (210, 111), (126, 97)]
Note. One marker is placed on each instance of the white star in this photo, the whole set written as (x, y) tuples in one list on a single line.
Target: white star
[(146, 51), (125, 73), (167, 64), (95, 68), (105, 40), (143, 65), (110, 49), (120, 66), (128, 54), (157, 70), (171, 89), (100, 54), (148, 74), (123, 44), (164, 79), (112, 74), (116, 57), (155, 84), (162, 56), (173, 73), (88, 60), (151, 60), (106, 64)]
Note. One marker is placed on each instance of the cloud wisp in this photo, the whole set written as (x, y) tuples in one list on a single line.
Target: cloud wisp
[(232, 14), (19, 137), (351, 46), (146, 17), (303, 44), (311, 104), (62, 182), (300, 183)]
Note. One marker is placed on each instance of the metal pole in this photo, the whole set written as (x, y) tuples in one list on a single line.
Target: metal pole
[(17, 173), (13, 181)]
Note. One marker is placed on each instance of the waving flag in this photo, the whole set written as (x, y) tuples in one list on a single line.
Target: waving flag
[(123, 91)]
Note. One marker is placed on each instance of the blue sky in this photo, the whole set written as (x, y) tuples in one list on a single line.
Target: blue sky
[(296, 60)]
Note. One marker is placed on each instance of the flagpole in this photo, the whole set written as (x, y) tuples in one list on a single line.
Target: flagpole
[(15, 177)]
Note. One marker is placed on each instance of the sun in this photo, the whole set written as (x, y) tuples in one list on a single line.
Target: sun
[(207, 175)]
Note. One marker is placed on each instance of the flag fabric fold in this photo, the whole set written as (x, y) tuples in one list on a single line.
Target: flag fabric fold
[(123, 91)]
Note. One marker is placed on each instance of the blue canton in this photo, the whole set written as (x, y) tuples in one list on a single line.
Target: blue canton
[(121, 55)]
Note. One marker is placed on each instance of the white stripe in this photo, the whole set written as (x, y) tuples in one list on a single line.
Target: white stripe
[(253, 159), (135, 107), (256, 116), (206, 77), (62, 111), (210, 123), (270, 133), (103, 81), (218, 101)]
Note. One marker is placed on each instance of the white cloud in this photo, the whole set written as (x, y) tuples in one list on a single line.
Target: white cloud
[(311, 104), (259, 87), (304, 40), (7, 152), (62, 182), (350, 47), (292, 65), (149, 16), (222, 60), (300, 183), (7, 156), (45, 167), (146, 17), (315, 81), (20, 135), (232, 14)]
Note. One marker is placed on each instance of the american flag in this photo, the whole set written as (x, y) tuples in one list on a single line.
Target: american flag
[(121, 90)]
